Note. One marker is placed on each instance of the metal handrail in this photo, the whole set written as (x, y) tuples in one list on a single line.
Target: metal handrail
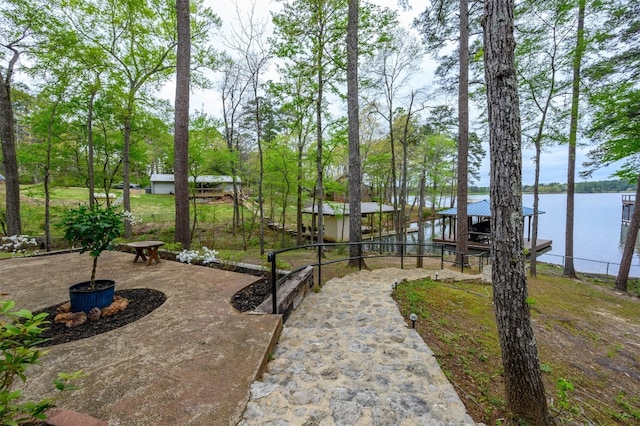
[(398, 249)]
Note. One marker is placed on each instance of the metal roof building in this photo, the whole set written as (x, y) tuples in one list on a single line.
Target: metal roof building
[(479, 215), (483, 209)]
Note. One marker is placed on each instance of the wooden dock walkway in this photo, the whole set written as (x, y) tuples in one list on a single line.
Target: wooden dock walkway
[(541, 244)]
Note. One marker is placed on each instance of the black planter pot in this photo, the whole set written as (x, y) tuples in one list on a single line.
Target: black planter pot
[(83, 298)]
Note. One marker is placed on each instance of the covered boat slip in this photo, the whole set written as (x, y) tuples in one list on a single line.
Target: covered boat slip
[(377, 221), (479, 216)]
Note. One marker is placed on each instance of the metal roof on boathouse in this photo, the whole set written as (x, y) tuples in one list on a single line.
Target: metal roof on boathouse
[(483, 209)]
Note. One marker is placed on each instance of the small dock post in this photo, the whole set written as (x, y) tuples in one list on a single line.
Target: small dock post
[(628, 201)]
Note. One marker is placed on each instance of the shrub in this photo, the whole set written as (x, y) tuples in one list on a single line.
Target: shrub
[(18, 244), (19, 334), (95, 229)]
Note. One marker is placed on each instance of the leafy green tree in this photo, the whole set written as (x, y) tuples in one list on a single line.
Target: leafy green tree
[(205, 143), (437, 155), (20, 21), (296, 98), (311, 33), (139, 38), (544, 32), (616, 125), (569, 268), (47, 130), (280, 178), (233, 89), (434, 162), (439, 23), (615, 98), (395, 62), (248, 42), (377, 172)]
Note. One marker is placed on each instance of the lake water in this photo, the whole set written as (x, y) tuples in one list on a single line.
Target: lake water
[(599, 235)]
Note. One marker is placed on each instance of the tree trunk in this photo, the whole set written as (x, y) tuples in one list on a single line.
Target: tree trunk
[(355, 175), (536, 200), (92, 183), (630, 243), (569, 269), (261, 169), (9, 158), (419, 260), (319, 166), (181, 135), (462, 231), (403, 188), (47, 189), (47, 180), (299, 237), (525, 393), (126, 190)]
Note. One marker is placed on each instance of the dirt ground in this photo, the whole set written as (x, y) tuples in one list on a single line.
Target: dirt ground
[(588, 340)]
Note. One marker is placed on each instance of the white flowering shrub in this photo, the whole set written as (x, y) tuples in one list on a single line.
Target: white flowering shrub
[(129, 217), (190, 256), (209, 256), (18, 244)]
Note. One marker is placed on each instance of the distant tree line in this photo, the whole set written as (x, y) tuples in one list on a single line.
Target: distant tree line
[(581, 187)]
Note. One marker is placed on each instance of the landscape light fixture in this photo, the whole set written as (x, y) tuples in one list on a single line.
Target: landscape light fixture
[(395, 284), (436, 276), (413, 317)]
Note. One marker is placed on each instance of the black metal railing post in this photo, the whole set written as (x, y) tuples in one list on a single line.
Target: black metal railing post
[(271, 257)]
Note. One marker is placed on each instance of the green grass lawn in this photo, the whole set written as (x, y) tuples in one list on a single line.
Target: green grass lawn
[(587, 339), (156, 212)]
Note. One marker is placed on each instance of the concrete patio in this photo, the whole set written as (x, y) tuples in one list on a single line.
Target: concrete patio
[(190, 362)]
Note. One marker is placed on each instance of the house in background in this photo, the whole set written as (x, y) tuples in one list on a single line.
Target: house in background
[(1, 179), (377, 220), (205, 186)]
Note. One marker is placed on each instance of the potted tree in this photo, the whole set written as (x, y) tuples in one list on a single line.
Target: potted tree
[(95, 229)]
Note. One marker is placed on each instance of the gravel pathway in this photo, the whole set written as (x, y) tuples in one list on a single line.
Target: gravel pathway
[(347, 357)]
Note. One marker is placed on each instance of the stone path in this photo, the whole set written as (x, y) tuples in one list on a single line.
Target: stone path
[(347, 357)]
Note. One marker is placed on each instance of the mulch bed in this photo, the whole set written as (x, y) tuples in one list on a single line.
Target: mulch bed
[(252, 296), (142, 301)]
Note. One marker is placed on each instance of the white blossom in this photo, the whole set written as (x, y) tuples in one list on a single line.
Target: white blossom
[(209, 255), (129, 217), (18, 244), (188, 256)]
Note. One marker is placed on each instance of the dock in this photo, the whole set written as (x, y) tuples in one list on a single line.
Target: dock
[(541, 244), (628, 202)]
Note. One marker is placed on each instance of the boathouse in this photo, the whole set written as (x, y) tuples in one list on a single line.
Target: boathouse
[(479, 217), (377, 220)]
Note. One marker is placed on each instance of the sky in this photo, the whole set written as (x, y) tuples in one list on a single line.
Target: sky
[(553, 160), (553, 166)]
